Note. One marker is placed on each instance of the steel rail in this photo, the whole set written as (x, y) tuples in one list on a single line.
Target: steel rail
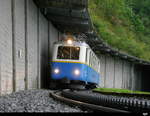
[(93, 107), (124, 94), (132, 104)]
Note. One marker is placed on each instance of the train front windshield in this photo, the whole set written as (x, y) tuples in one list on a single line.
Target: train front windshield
[(69, 53)]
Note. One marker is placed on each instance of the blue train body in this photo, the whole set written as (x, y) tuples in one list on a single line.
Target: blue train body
[(74, 62), (87, 74)]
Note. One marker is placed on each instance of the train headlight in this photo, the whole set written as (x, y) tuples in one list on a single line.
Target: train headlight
[(76, 72), (56, 71), (69, 41)]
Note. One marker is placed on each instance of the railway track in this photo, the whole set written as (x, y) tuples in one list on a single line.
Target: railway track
[(103, 103), (131, 104), (67, 97)]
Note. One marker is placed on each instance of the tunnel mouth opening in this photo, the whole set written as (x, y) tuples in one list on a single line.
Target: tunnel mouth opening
[(145, 78)]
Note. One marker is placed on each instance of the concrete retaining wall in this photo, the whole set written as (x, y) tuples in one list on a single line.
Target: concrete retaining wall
[(26, 37), (6, 47), (118, 73)]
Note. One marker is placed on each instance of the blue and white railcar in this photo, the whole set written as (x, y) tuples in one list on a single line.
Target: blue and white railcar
[(74, 60)]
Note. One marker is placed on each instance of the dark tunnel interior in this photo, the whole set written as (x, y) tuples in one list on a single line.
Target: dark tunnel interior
[(146, 78)]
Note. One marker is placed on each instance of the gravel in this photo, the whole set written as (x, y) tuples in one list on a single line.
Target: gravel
[(34, 101)]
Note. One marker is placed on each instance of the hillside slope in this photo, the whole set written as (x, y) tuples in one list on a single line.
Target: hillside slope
[(123, 24)]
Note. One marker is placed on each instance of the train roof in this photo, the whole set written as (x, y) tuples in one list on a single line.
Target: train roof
[(75, 43)]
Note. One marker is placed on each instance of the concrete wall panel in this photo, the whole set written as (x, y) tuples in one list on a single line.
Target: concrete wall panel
[(43, 37), (137, 79), (128, 74), (6, 46), (102, 71), (124, 75), (131, 76), (109, 72), (19, 36), (0, 74), (135, 82), (118, 73), (32, 44), (53, 36)]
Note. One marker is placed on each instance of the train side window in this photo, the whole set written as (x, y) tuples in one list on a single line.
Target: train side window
[(90, 58), (86, 57), (93, 59), (96, 63), (97, 66)]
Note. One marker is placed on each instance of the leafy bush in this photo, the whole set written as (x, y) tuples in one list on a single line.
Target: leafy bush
[(122, 26)]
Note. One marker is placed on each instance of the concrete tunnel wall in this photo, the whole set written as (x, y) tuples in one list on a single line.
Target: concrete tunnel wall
[(26, 46), (26, 40), (119, 73)]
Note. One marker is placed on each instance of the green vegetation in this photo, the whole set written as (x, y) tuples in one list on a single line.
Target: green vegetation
[(123, 24), (119, 91)]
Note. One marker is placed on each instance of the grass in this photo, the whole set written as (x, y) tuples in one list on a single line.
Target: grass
[(115, 90)]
